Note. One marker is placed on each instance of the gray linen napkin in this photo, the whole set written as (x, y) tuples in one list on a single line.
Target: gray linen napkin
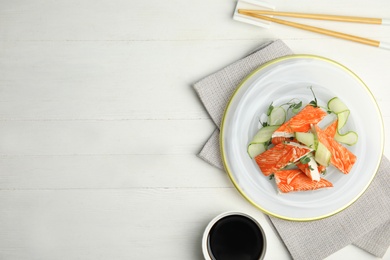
[(366, 223)]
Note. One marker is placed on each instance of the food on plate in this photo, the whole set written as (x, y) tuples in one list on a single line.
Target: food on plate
[(298, 151), (341, 110), (331, 129), (309, 166), (280, 156), (296, 180), (260, 141), (301, 122), (341, 157)]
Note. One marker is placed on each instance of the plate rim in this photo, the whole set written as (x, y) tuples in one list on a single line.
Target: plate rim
[(226, 110)]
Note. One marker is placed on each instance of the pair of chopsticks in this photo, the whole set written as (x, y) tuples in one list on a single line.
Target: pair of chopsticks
[(262, 14)]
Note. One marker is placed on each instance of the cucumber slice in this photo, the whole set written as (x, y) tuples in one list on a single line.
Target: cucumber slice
[(306, 139), (322, 155), (342, 112), (342, 118), (260, 140), (277, 116), (336, 105), (349, 138), (264, 134), (256, 149)]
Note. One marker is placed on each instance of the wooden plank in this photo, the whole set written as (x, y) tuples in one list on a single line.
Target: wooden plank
[(99, 125), (156, 223), (104, 137), (108, 172), (111, 81), (114, 81), (169, 20)]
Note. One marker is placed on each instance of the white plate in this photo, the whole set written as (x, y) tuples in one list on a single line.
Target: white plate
[(279, 81)]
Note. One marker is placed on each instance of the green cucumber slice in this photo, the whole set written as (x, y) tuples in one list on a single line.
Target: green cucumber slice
[(306, 139), (322, 155), (260, 140), (350, 138), (256, 149), (277, 116), (336, 105), (342, 112), (264, 134), (342, 118)]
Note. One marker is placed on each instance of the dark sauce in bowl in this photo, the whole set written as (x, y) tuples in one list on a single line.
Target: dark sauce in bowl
[(235, 237)]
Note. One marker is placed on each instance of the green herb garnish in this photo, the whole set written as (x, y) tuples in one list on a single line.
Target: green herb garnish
[(269, 110), (314, 102), (305, 160)]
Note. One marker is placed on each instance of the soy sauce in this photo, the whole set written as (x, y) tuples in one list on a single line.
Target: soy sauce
[(235, 237)]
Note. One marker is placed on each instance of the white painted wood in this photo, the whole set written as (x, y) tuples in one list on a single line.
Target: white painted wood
[(65, 83), (116, 223), (103, 171), (122, 20), (103, 137), (100, 127)]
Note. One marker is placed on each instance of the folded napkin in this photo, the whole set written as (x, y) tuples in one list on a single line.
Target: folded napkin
[(366, 223)]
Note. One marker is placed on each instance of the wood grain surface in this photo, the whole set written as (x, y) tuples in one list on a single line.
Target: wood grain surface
[(100, 125)]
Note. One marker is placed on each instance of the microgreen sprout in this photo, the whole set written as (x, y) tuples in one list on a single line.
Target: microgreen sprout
[(295, 107), (267, 144), (305, 160), (314, 102), (269, 110), (263, 124)]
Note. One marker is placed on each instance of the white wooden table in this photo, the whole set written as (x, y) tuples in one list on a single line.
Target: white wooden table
[(100, 126)]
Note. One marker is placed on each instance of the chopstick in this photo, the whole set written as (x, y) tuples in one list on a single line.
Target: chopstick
[(328, 17), (340, 35)]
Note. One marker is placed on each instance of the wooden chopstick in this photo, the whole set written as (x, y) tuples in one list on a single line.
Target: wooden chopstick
[(313, 28), (339, 18)]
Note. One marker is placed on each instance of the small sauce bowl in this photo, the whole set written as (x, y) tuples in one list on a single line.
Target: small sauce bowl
[(234, 235)]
